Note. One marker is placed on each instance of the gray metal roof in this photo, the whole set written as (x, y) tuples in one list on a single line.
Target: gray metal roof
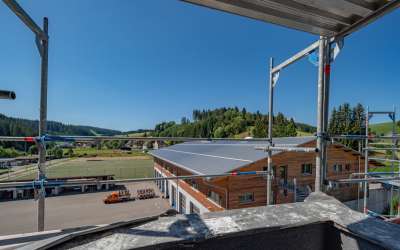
[(321, 17), (215, 157)]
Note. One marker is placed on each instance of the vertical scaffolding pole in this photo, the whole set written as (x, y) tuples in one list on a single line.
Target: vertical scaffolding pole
[(327, 71), (270, 120), (366, 161), (393, 117), (42, 125), (320, 116)]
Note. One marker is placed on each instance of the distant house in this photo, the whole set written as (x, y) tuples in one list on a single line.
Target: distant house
[(215, 157)]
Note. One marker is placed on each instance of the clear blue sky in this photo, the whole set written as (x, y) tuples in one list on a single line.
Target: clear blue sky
[(133, 64)]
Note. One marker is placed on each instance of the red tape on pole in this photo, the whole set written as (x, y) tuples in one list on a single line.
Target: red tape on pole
[(327, 69)]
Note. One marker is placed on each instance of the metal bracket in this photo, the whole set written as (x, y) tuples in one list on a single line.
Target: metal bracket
[(339, 43), (40, 186), (313, 58), (275, 77), (39, 45)]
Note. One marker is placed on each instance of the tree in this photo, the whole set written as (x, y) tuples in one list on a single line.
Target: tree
[(33, 150), (260, 129), (291, 128), (70, 152), (219, 132), (346, 120)]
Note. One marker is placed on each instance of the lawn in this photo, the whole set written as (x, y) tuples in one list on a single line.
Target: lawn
[(120, 167), (3, 170), (386, 168), (383, 128)]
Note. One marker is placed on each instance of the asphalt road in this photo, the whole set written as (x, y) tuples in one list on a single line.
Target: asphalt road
[(76, 210)]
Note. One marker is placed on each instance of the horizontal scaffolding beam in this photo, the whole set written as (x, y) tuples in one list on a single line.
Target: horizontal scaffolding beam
[(47, 138), (40, 184), (305, 52), (383, 159), (374, 149), (366, 180), (5, 94), (381, 112), (363, 137), (374, 173), (289, 149), (25, 18)]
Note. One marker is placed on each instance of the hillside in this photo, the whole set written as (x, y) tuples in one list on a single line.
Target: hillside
[(10, 126), (384, 128), (231, 123)]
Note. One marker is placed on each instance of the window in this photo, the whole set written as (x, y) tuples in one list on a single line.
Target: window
[(337, 168), (182, 203), (194, 209), (173, 196), (246, 198), (273, 174), (347, 167), (215, 197), (306, 169)]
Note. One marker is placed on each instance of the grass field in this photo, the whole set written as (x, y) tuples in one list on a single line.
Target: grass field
[(302, 133), (2, 171), (120, 167), (383, 128)]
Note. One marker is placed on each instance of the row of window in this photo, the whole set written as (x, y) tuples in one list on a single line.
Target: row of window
[(243, 198), (306, 169)]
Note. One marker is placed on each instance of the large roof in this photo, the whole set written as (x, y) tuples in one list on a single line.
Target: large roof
[(321, 17), (216, 157)]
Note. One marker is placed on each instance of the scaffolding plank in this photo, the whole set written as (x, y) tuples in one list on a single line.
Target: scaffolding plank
[(321, 17)]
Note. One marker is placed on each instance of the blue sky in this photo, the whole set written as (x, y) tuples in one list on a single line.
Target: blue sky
[(133, 64)]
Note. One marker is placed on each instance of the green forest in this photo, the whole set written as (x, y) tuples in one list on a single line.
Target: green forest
[(10, 126), (230, 123)]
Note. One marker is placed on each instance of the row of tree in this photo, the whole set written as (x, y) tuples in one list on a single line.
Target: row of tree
[(228, 123), (347, 120)]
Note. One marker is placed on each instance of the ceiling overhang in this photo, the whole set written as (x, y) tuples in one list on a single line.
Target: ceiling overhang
[(321, 17)]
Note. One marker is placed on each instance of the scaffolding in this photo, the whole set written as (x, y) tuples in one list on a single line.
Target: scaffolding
[(331, 27), (392, 147)]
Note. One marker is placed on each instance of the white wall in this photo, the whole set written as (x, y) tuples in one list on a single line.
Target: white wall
[(188, 197)]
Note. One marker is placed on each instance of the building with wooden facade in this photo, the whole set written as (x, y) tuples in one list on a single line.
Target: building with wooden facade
[(293, 173)]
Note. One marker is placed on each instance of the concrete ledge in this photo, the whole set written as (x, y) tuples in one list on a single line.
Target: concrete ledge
[(321, 221)]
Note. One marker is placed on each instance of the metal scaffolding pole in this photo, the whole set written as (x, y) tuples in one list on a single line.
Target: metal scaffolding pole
[(41, 38), (270, 121), (367, 116), (71, 138), (43, 126), (6, 94), (319, 168), (327, 71), (68, 183), (393, 117), (367, 180)]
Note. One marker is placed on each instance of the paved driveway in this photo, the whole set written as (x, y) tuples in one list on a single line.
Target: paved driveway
[(77, 210)]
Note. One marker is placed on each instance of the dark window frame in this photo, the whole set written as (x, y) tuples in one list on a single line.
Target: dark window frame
[(244, 200), (306, 168)]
